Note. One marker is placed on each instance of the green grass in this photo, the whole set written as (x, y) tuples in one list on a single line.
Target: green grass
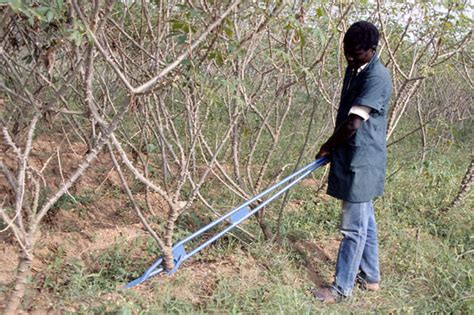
[(78, 202)]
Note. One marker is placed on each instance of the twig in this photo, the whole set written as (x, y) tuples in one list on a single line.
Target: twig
[(132, 200)]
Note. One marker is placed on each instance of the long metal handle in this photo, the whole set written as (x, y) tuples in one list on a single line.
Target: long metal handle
[(179, 253), (313, 165)]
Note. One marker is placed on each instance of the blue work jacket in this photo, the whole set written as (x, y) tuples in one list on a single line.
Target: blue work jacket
[(357, 172)]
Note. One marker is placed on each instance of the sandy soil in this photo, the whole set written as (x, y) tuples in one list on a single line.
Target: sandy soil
[(76, 229)]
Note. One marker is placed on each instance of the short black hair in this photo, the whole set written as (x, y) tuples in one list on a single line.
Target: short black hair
[(362, 34)]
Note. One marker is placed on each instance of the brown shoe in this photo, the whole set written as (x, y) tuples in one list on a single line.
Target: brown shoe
[(325, 295), (371, 286), (364, 285)]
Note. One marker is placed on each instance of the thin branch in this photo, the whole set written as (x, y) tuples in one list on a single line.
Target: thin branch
[(132, 200), (9, 176), (87, 160)]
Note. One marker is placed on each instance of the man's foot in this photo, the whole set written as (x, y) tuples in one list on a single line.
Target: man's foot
[(368, 286), (371, 286), (326, 295)]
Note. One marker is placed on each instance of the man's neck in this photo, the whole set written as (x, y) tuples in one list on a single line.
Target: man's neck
[(359, 70)]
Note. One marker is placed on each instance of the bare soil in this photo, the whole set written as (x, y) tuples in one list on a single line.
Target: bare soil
[(78, 227), (97, 214)]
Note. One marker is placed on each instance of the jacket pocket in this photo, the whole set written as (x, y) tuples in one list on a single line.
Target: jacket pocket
[(357, 156)]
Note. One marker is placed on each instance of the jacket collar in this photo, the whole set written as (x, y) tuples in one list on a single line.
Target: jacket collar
[(367, 66)]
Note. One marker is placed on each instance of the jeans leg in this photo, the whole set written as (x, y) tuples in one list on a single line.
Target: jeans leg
[(355, 219), (369, 265)]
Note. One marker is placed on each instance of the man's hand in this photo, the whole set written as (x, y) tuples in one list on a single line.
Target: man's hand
[(324, 151), (342, 134)]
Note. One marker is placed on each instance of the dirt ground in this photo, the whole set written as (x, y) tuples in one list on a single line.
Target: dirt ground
[(86, 224), (81, 225)]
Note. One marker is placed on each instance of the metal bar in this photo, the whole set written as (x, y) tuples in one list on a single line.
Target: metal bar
[(245, 204), (263, 204), (148, 273), (238, 215)]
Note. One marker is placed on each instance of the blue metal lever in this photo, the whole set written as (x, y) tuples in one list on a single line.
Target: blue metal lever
[(235, 216)]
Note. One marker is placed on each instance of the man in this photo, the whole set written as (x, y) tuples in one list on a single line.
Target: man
[(357, 150)]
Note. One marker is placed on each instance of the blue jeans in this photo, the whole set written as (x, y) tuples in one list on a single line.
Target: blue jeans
[(358, 250)]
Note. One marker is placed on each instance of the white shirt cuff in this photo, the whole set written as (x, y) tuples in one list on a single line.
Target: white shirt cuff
[(361, 111)]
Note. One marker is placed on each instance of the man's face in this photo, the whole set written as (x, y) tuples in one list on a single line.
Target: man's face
[(357, 56)]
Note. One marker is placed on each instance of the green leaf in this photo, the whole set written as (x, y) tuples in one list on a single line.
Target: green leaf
[(151, 148), (15, 5), (59, 4), (217, 56), (319, 12), (125, 310), (35, 12), (228, 31), (301, 35), (182, 39), (232, 46), (41, 11), (288, 26), (181, 26), (186, 62), (195, 13), (49, 16), (75, 37), (320, 34)]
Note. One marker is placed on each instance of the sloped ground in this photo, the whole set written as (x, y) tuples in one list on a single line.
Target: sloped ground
[(92, 244)]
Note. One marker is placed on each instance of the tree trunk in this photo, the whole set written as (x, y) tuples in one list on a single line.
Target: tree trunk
[(14, 300), (168, 262), (464, 188), (267, 232)]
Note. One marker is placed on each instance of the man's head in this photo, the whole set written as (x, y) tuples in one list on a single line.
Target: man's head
[(360, 43)]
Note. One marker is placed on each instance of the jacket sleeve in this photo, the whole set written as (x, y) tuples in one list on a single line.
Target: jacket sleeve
[(373, 93)]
